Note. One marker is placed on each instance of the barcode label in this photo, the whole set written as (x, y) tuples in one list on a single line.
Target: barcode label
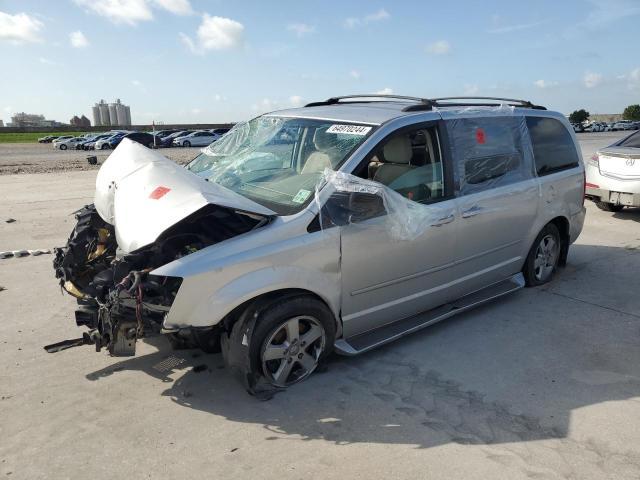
[(349, 129)]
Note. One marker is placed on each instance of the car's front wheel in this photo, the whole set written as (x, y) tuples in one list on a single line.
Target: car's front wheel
[(186, 143), (290, 339), (104, 146), (63, 147), (609, 207), (543, 257)]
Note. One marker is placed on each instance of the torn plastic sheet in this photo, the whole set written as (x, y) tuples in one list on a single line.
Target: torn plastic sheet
[(243, 138), (489, 151), (343, 198)]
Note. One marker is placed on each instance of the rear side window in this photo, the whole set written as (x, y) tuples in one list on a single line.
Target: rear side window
[(633, 141), (489, 152), (553, 147)]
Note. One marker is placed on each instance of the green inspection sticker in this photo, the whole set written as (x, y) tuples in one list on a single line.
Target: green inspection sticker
[(301, 196)]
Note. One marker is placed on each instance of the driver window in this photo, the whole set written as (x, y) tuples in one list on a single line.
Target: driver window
[(410, 164)]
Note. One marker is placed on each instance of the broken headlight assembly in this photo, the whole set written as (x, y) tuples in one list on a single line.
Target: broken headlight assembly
[(119, 300)]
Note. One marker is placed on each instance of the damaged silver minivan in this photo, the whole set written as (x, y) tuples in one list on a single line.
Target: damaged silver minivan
[(339, 226)]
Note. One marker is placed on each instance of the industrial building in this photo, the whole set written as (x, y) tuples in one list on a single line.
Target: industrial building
[(80, 121), (31, 120), (111, 114)]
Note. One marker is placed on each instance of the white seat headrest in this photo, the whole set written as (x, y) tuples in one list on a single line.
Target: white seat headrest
[(398, 150)]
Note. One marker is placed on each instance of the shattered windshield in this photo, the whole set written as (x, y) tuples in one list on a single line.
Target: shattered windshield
[(277, 161)]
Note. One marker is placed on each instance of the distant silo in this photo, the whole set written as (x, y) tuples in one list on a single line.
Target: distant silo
[(128, 113), (104, 113), (113, 115), (97, 121)]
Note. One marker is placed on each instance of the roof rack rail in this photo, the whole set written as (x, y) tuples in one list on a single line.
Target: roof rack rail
[(426, 104), (465, 102), (335, 100)]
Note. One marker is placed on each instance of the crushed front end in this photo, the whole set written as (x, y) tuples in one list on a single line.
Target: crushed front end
[(119, 300)]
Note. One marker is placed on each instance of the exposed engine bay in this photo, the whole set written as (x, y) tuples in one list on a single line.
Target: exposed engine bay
[(119, 299)]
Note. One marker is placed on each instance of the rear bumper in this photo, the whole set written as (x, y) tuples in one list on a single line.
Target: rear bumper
[(575, 224), (616, 197)]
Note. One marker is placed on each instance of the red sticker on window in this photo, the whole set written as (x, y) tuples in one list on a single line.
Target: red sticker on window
[(159, 192), (480, 138)]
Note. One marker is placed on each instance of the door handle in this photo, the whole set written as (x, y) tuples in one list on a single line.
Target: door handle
[(472, 212), (444, 220)]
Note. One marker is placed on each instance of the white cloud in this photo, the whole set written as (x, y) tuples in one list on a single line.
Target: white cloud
[(378, 16), (177, 7), (219, 98), (295, 100), (301, 29), (514, 27), (47, 61), (78, 40), (632, 78), (19, 28), (265, 105), (471, 89), (592, 80), (354, 74), (196, 111), (129, 12), (606, 12), (441, 47), (385, 91), (545, 83), (215, 33), (139, 85)]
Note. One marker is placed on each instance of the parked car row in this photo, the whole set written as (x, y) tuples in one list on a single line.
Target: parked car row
[(160, 139), (606, 127)]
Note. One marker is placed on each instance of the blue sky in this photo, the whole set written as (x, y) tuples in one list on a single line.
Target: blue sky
[(222, 60)]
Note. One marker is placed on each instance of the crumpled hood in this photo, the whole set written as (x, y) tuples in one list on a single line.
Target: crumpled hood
[(142, 193)]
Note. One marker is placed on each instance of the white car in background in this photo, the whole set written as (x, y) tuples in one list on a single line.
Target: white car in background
[(200, 138), (623, 125), (68, 143)]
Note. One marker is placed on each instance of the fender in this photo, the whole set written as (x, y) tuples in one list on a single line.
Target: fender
[(212, 309)]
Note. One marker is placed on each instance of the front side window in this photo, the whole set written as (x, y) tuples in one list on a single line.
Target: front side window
[(553, 147), (278, 161), (409, 163)]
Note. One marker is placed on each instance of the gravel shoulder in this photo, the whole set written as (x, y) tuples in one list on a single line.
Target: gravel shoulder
[(17, 158)]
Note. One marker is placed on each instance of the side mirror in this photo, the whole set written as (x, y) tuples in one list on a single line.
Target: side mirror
[(343, 208)]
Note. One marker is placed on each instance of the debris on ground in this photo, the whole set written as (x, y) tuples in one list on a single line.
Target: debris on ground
[(10, 220), (199, 368), (24, 253), (2, 288)]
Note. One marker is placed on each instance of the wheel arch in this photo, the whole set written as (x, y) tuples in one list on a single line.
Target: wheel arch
[(562, 224), (265, 299)]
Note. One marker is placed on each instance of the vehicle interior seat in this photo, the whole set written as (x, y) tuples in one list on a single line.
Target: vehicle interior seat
[(396, 170), (324, 156)]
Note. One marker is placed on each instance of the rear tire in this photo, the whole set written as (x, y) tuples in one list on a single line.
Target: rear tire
[(104, 147), (290, 339), (543, 257), (609, 207)]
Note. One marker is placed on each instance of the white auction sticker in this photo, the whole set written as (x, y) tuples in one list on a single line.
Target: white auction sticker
[(349, 129)]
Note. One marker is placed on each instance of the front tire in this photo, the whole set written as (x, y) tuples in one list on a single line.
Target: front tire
[(186, 143), (290, 339), (609, 207), (63, 147), (543, 257), (104, 147)]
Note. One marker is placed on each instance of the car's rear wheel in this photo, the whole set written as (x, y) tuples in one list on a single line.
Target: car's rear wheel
[(290, 339), (609, 207), (186, 143), (104, 146), (543, 257)]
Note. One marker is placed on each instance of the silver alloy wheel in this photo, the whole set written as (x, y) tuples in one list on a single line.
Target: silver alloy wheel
[(292, 351), (546, 258)]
